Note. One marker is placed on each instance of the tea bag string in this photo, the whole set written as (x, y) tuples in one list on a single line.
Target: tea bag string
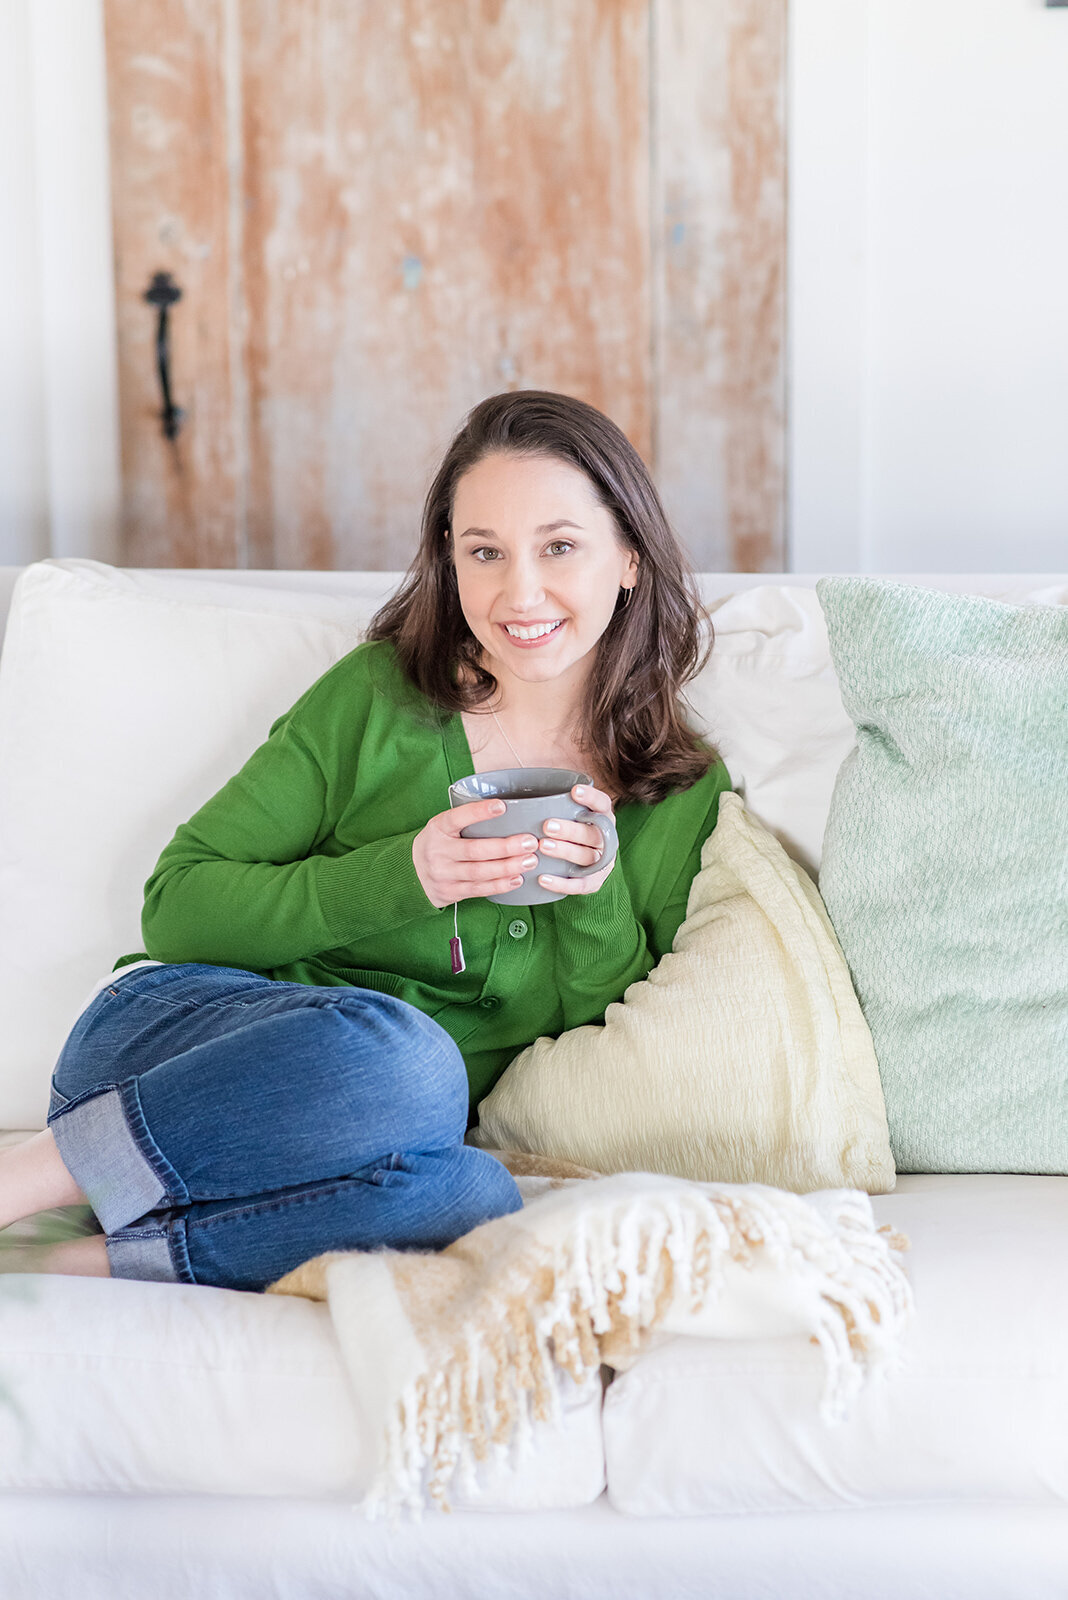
[(455, 945)]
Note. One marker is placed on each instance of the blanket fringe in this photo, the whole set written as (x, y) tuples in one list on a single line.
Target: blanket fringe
[(591, 1301)]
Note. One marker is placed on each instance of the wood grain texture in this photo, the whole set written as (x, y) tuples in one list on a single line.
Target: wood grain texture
[(379, 215), (719, 254), (170, 196), (447, 199)]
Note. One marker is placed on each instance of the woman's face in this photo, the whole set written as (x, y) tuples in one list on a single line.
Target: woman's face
[(531, 547)]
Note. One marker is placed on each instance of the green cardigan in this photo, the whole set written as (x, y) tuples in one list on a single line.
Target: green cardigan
[(300, 868)]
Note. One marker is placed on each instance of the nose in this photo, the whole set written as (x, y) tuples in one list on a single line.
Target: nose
[(524, 591)]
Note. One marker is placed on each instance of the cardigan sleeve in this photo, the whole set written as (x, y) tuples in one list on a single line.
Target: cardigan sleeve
[(249, 880), (602, 944)]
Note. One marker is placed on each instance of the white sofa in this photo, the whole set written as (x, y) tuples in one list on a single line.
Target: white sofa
[(171, 1440)]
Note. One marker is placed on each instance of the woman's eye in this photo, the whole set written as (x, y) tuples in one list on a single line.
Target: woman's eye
[(486, 552)]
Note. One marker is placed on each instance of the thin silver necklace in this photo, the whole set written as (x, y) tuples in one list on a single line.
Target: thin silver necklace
[(505, 737)]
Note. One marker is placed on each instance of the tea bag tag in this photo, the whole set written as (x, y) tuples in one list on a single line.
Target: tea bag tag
[(455, 947)]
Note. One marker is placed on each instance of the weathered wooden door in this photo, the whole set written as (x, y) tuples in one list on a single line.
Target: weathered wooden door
[(379, 214)]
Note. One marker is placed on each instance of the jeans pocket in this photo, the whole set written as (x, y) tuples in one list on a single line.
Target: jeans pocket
[(56, 1102)]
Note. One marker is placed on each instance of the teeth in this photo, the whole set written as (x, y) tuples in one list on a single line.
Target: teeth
[(532, 633)]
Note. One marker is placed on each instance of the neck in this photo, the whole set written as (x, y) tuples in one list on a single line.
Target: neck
[(535, 730), (547, 710)]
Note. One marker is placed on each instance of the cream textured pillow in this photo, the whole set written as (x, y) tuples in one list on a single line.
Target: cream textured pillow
[(742, 1058)]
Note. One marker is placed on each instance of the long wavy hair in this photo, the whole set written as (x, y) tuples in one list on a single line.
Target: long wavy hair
[(630, 716)]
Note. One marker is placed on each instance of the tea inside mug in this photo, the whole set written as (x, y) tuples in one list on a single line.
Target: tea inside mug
[(527, 794)]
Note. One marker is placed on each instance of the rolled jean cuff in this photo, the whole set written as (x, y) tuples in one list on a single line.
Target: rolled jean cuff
[(106, 1146), (155, 1252)]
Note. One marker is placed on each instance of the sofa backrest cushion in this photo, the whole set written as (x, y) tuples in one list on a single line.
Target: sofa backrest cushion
[(124, 705)]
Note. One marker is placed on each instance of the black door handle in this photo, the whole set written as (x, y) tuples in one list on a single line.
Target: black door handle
[(163, 292)]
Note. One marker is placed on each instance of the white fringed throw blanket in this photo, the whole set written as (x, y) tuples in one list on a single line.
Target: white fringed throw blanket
[(451, 1353)]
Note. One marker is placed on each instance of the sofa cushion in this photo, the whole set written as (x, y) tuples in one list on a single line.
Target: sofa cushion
[(945, 868), (126, 701), (768, 700), (977, 1412), (145, 1388), (742, 1058)]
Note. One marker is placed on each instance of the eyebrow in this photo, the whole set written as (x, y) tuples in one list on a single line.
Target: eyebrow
[(547, 527)]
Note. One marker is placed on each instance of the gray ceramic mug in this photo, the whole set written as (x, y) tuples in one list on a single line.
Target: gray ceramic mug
[(531, 794)]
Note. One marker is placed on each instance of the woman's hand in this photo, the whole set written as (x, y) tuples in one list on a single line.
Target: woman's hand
[(450, 868), (580, 842)]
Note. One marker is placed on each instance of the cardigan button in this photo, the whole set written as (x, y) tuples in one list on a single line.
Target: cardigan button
[(517, 929), (490, 1003)]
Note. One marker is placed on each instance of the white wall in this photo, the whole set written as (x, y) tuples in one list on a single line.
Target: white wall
[(23, 475), (59, 437), (929, 286)]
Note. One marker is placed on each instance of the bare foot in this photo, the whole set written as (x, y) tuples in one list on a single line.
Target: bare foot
[(83, 1258)]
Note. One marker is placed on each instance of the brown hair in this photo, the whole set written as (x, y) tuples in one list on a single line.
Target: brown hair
[(630, 714)]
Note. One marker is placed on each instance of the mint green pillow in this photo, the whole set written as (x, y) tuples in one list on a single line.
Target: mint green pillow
[(945, 868)]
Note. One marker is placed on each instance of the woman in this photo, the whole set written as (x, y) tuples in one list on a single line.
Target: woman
[(292, 1063)]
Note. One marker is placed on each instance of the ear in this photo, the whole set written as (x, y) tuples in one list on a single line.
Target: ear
[(632, 568)]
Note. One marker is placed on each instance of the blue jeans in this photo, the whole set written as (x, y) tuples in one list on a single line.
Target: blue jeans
[(225, 1127)]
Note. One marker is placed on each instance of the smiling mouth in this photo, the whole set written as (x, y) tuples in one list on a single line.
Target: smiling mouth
[(534, 633)]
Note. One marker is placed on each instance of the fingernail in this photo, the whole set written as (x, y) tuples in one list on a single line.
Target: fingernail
[(552, 827), (497, 807), (530, 861), (580, 788), (528, 844)]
